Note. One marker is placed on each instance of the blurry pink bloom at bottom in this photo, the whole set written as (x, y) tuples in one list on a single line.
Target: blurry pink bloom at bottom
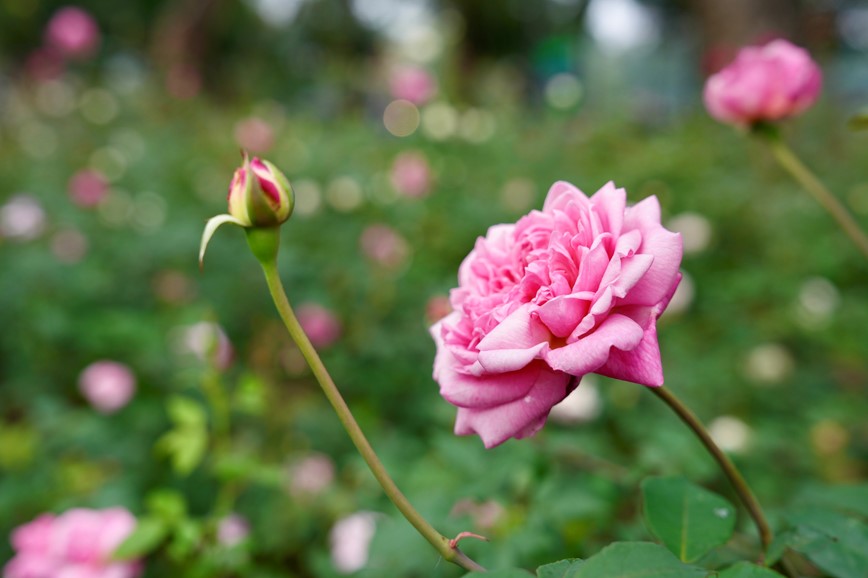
[(411, 175), (76, 544), (573, 289), (87, 188), (107, 385), (350, 540), (72, 32), (321, 325), (383, 245), (232, 530)]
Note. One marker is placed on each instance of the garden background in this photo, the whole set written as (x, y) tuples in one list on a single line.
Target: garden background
[(113, 161)]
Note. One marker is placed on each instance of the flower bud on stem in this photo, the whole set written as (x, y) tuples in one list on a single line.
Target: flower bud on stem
[(440, 543), (791, 163)]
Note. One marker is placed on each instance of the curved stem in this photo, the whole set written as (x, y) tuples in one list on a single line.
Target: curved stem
[(437, 540), (741, 488), (791, 163)]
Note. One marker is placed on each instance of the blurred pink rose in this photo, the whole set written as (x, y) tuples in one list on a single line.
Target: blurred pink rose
[(764, 84), (209, 343), (254, 134), (311, 475), (107, 385), (87, 187), (412, 83), (320, 324), (232, 530), (350, 540), (78, 543), (72, 32), (573, 289), (411, 175), (383, 245)]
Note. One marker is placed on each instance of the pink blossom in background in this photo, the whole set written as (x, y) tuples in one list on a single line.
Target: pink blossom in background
[(321, 325), (73, 33), (384, 246), (350, 539), (573, 289), (232, 530), (764, 83), (107, 385), (437, 308), (87, 188), (78, 543), (254, 134), (44, 64), (412, 83), (311, 475), (411, 175), (209, 343)]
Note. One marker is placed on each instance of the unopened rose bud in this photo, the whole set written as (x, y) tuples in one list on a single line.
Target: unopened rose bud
[(260, 195)]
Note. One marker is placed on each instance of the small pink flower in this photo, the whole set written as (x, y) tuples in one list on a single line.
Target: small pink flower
[(411, 175), (384, 246), (232, 530), (209, 343), (254, 134), (320, 324), (87, 188), (311, 475), (78, 543), (765, 83), (573, 289), (107, 385), (350, 540), (72, 32), (412, 83)]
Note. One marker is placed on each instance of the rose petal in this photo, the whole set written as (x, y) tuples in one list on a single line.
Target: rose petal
[(591, 351)]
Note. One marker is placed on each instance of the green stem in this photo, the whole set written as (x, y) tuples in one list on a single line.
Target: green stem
[(741, 488), (437, 540), (791, 163)]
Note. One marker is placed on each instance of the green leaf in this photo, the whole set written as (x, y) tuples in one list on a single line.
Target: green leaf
[(210, 228), (168, 505), (185, 411), (636, 560), (187, 442), (502, 573), (560, 569), (835, 543), (688, 519), (748, 570), (847, 499), (147, 537)]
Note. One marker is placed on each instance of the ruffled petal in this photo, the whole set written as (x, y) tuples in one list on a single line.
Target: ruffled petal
[(591, 351)]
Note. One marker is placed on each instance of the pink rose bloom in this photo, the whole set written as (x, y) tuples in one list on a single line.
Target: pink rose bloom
[(232, 530), (107, 385), (320, 324), (87, 188), (78, 543), (254, 134), (573, 289), (411, 175), (350, 540), (412, 83), (765, 83), (72, 32)]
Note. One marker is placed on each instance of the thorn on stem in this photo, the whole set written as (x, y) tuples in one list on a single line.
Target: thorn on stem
[(453, 543)]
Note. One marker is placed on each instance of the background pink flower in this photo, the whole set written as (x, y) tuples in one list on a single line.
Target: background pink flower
[(87, 187), (72, 32), (232, 530), (411, 175), (321, 325), (77, 543), (573, 289), (385, 246), (107, 385), (765, 83), (412, 83)]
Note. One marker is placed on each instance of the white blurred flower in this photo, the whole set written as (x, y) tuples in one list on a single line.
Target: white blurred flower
[(683, 297), (350, 540), (695, 231), (768, 364), (817, 303), (311, 475), (730, 433), (581, 405), (22, 218)]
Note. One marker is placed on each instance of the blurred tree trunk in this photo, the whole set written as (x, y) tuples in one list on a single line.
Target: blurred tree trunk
[(727, 25)]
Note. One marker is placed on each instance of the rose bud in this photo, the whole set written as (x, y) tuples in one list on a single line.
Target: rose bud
[(260, 195), (763, 84)]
